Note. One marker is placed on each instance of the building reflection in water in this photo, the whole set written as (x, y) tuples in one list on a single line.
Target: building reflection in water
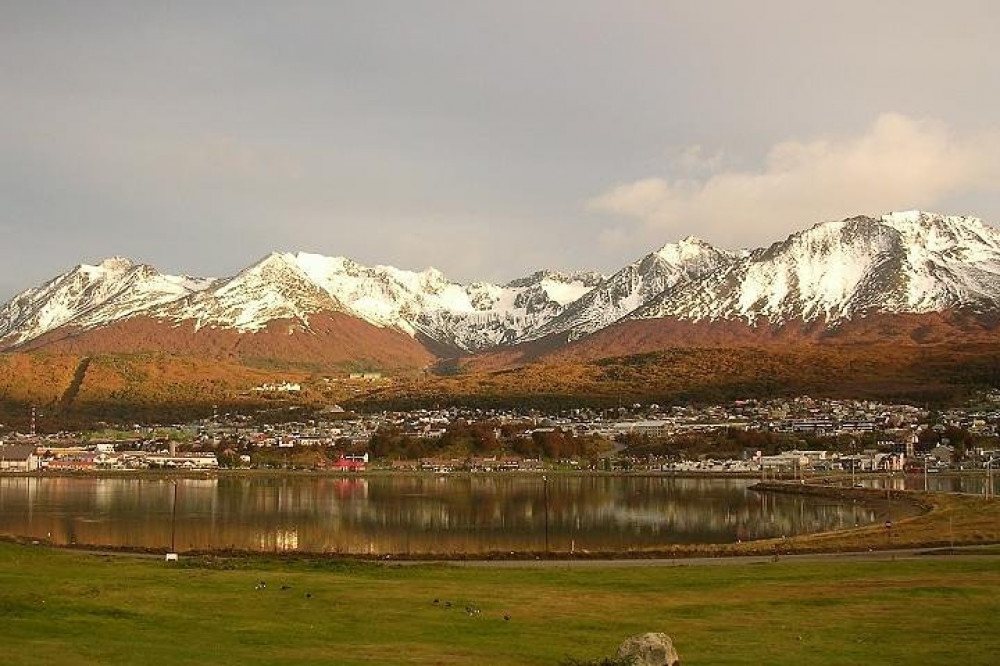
[(409, 514)]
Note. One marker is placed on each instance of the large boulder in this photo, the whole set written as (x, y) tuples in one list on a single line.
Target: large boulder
[(649, 650)]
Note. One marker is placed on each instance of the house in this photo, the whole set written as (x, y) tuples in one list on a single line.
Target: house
[(282, 387), (890, 462), (76, 462), (649, 428), (365, 376), (18, 458), (943, 453), (793, 461), (351, 463)]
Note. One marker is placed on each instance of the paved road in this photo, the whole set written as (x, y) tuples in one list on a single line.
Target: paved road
[(965, 552)]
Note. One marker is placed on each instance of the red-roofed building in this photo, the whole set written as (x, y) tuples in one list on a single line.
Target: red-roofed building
[(351, 463)]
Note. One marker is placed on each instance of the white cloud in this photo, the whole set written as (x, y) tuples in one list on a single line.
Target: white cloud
[(898, 163)]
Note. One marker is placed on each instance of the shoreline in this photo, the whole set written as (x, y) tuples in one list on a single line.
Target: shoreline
[(832, 479), (970, 520)]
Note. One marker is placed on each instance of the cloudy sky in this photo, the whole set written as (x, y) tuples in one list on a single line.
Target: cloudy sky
[(484, 138)]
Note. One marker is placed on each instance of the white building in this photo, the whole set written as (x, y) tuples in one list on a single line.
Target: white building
[(18, 458)]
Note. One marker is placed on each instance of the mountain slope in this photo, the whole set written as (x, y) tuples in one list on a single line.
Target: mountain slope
[(835, 271), (465, 317), (89, 296), (328, 341), (854, 279), (655, 275), (275, 288)]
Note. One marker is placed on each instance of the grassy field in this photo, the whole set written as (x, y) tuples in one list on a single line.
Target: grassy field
[(74, 608), (945, 519)]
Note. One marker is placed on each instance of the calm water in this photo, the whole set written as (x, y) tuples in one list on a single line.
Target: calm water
[(410, 514), (970, 482)]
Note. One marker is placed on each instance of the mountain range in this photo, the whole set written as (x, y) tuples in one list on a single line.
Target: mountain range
[(913, 276)]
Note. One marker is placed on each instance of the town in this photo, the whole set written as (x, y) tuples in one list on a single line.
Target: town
[(752, 437)]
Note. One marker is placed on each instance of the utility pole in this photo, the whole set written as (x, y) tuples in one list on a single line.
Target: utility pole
[(545, 491), (989, 477), (172, 555)]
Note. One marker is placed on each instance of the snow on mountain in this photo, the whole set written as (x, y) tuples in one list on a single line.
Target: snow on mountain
[(951, 261), (617, 296), (293, 286), (88, 296), (506, 314), (468, 317), (902, 262), (383, 295), (275, 287), (909, 262)]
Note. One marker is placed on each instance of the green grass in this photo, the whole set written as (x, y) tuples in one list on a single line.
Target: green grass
[(72, 608)]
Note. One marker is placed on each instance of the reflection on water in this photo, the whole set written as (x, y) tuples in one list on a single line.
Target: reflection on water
[(974, 482), (410, 514)]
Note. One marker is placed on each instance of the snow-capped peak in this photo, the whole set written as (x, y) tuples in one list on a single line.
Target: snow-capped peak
[(900, 262), (684, 249), (90, 295), (615, 297), (467, 316), (941, 233), (116, 263), (910, 261)]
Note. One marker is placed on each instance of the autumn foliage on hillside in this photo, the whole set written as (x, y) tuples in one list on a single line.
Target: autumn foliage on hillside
[(141, 368), (329, 340), (914, 373), (68, 389)]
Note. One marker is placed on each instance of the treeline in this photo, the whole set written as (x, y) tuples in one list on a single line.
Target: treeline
[(728, 443), (733, 442), (932, 375)]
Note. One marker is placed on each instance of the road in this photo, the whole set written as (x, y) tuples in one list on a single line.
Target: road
[(959, 552)]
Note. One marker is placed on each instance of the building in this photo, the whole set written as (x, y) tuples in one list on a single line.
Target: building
[(18, 458), (365, 376), (344, 465), (791, 462), (86, 460), (183, 460)]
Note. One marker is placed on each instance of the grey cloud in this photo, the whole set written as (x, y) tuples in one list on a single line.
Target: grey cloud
[(198, 136)]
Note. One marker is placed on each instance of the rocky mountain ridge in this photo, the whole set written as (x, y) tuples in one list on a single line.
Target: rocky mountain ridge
[(833, 272)]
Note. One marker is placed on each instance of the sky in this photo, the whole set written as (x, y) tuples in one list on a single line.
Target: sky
[(486, 139)]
